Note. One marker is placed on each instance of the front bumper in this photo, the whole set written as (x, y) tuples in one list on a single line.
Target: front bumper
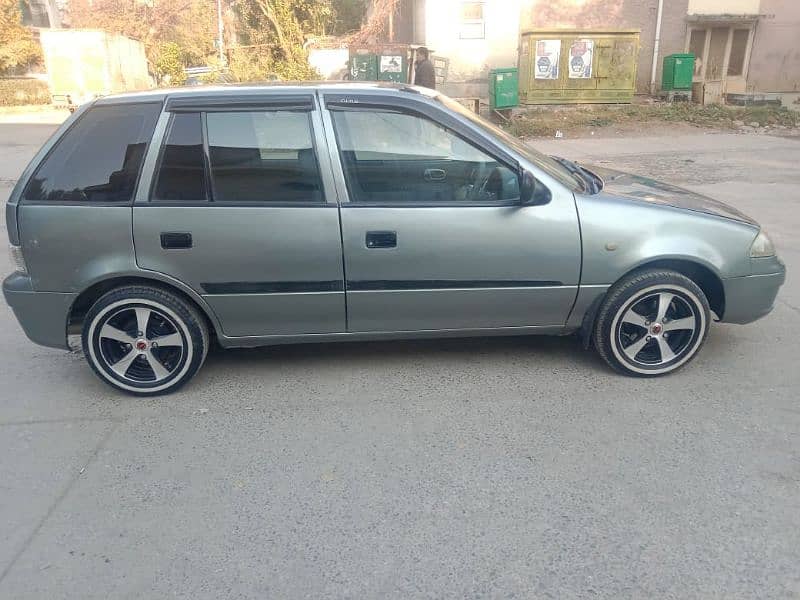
[(42, 315), (752, 297)]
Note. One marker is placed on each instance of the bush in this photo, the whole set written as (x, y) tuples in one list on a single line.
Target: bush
[(19, 91), (169, 64)]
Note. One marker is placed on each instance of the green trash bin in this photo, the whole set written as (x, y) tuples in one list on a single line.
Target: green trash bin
[(677, 72), (364, 67), (393, 67), (503, 88)]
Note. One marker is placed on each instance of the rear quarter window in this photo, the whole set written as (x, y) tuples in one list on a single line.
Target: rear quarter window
[(98, 160)]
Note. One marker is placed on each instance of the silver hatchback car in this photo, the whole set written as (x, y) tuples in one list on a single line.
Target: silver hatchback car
[(152, 223)]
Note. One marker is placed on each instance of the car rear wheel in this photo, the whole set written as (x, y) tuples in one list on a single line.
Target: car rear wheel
[(652, 323), (144, 340)]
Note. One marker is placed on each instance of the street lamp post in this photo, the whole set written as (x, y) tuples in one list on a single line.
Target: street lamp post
[(219, 33)]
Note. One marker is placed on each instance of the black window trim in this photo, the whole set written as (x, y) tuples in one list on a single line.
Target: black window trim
[(358, 103), (26, 202), (207, 178), (211, 201), (241, 103)]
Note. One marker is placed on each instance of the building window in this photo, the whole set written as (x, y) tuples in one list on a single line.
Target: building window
[(473, 26)]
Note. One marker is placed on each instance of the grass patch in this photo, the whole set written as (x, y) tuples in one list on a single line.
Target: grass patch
[(23, 91), (545, 121)]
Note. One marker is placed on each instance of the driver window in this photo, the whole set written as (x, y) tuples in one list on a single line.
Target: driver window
[(397, 158)]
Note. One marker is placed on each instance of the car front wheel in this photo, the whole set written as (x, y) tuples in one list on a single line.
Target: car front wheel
[(652, 323), (144, 340)]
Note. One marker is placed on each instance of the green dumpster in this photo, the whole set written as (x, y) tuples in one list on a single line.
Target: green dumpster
[(393, 67), (364, 67), (503, 88), (677, 72)]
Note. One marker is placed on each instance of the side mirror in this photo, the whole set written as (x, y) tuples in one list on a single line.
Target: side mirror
[(531, 192), (527, 188)]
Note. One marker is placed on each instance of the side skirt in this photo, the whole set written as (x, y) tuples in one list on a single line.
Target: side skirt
[(316, 338)]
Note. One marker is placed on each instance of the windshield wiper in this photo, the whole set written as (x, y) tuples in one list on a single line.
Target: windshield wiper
[(591, 181)]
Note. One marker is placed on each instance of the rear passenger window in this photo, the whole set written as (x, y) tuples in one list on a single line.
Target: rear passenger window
[(182, 172), (99, 158), (263, 156)]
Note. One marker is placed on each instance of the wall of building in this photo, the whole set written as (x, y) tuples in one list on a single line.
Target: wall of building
[(617, 14), (775, 57), (774, 61), (723, 7), (470, 59)]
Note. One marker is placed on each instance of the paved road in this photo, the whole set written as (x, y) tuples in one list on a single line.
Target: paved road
[(462, 468)]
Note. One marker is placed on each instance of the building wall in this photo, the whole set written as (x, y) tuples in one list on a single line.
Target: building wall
[(617, 14), (774, 64), (775, 57), (470, 59), (723, 7)]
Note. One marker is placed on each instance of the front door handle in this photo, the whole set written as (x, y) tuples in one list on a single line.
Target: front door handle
[(381, 239), (171, 240)]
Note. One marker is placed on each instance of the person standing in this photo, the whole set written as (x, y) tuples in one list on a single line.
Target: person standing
[(424, 72)]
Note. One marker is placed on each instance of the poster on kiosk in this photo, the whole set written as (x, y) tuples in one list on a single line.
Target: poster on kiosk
[(548, 55), (580, 59)]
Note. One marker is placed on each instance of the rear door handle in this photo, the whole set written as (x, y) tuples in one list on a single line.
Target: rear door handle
[(381, 239), (171, 240)]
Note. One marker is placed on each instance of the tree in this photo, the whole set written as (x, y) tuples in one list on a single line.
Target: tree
[(272, 35), (375, 26), (169, 64), (191, 24), (18, 48), (349, 14)]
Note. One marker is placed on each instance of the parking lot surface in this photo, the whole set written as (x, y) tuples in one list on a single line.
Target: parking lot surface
[(460, 468)]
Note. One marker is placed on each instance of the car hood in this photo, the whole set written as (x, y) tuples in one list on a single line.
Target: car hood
[(644, 189)]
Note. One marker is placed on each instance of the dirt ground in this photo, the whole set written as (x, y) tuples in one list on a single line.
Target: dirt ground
[(650, 119)]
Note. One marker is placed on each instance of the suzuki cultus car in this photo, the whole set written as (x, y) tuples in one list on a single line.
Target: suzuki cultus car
[(155, 223)]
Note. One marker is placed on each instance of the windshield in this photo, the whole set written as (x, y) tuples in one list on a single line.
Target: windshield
[(550, 166)]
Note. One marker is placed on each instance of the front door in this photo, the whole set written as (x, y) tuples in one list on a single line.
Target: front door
[(238, 212), (434, 237)]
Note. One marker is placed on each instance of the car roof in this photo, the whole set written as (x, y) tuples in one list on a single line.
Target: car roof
[(280, 87)]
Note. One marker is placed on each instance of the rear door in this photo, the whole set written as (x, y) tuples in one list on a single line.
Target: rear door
[(239, 210), (434, 235)]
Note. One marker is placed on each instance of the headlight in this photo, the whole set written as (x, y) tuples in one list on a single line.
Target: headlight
[(17, 259), (762, 246)]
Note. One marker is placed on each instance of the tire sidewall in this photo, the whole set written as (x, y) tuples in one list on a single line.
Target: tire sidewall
[(689, 352), (633, 289), (195, 342)]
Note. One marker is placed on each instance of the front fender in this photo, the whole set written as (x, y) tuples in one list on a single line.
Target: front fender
[(620, 235)]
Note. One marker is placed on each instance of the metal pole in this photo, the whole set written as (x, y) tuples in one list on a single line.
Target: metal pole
[(655, 47), (219, 33)]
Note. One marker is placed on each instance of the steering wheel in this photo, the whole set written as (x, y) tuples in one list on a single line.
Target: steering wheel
[(482, 176)]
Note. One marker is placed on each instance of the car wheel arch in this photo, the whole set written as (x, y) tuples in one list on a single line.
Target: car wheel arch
[(84, 301), (706, 278)]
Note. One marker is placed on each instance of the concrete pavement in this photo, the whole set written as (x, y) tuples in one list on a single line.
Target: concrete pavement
[(459, 468)]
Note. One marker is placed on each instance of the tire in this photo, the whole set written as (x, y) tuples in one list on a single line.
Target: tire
[(144, 340), (652, 323)]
